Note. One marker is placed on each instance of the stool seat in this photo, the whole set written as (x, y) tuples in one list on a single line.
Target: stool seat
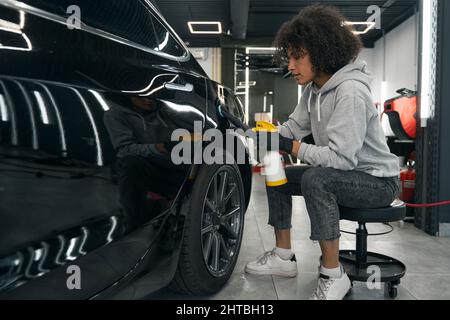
[(395, 212)]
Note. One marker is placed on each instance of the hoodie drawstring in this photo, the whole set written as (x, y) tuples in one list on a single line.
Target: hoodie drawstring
[(309, 101), (318, 106)]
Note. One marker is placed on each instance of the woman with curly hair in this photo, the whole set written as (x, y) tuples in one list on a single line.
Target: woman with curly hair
[(350, 162)]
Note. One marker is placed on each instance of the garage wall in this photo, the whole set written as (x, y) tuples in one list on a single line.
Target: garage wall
[(210, 60), (401, 60), (285, 98)]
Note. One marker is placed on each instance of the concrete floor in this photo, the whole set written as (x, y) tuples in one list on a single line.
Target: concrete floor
[(426, 258)]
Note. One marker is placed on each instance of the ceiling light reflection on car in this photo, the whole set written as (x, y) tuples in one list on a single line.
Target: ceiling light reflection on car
[(100, 100), (113, 220), (14, 133), (83, 242), (3, 109), (94, 127), (45, 248), (31, 254), (58, 118), (144, 91), (42, 107), (188, 109), (71, 249), (17, 29), (163, 44), (62, 242), (31, 112)]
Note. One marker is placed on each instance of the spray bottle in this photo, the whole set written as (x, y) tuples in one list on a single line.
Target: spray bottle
[(271, 161)]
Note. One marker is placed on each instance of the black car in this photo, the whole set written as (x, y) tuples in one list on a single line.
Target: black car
[(89, 207)]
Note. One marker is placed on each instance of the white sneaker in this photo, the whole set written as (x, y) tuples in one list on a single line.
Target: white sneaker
[(332, 288), (271, 264)]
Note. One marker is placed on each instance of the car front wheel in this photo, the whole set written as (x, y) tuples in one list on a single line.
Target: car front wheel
[(213, 231)]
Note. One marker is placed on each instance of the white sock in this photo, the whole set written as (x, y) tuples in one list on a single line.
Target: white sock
[(332, 273), (284, 254)]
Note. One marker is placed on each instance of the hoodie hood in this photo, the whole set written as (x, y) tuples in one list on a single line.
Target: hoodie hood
[(356, 71), (117, 107)]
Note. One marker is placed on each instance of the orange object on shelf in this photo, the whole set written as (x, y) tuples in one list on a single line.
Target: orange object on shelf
[(402, 113)]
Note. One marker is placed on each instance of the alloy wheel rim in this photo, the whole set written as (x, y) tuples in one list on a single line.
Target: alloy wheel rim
[(222, 218)]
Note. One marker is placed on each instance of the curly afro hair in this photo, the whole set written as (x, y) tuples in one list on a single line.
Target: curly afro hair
[(320, 31)]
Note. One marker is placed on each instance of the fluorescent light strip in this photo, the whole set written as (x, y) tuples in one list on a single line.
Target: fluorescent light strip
[(42, 107), (192, 23), (265, 103), (247, 92), (425, 94), (3, 109), (260, 49), (370, 26)]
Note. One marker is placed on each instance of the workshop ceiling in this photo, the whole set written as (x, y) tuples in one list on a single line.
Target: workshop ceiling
[(266, 16)]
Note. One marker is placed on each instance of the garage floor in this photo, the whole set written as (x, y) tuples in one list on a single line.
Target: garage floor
[(427, 259)]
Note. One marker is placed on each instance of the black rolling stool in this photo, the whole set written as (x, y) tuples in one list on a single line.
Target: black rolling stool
[(356, 262)]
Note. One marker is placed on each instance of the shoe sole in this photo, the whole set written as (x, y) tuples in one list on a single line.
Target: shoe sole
[(272, 273)]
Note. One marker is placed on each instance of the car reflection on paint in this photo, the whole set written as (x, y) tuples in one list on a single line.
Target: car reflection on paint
[(64, 178)]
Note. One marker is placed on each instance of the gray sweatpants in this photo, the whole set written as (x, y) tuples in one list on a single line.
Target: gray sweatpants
[(324, 189)]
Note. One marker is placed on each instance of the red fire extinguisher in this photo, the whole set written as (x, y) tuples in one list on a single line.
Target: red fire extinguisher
[(408, 183)]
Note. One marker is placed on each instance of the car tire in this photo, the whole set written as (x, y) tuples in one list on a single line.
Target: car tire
[(213, 233)]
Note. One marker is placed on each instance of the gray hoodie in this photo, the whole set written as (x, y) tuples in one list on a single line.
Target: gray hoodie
[(345, 125), (132, 133)]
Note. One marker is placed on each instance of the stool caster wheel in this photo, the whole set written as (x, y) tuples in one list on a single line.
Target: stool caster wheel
[(392, 289)]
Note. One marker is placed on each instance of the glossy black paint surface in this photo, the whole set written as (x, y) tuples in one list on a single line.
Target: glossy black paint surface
[(60, 195)]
